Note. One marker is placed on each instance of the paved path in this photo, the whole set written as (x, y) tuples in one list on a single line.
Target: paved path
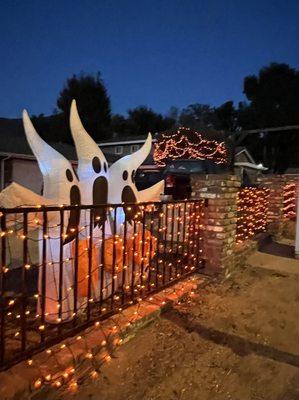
[(277, 257)]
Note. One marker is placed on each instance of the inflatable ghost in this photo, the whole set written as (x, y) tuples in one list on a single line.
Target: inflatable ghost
[(93, 174), (152, 193), (61, 186), (92, 164), (123, 173)]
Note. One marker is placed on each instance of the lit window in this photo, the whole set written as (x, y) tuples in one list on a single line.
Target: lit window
[(118, 149), (134, 148)]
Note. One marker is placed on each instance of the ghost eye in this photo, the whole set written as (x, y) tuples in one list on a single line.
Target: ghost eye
[(133, 175), (69, 175), (96, 164), (125, 175), (105, 167)]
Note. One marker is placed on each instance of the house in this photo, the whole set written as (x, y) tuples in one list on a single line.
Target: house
[(17, 163), (246, 167), (120, 147)]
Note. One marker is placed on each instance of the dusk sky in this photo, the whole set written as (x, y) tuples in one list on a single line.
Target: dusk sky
[(155, 53)]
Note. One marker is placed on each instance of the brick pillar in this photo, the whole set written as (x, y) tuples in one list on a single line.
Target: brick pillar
[(220, 218)]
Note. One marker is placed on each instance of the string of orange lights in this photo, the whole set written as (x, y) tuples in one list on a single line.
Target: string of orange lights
[(252, 206), (188, 144), (173, 218), (289, 200)]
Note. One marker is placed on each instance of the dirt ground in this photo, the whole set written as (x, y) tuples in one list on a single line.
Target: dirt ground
[(236, 340)]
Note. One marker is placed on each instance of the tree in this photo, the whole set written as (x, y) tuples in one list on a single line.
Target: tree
[(273, 101), (120, 125), (225, 116), (274, 95), (143, 120), (92, 101), (52, 128), (173, 113), (198, 116)]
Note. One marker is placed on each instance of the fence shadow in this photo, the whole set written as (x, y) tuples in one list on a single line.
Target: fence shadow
[(240, 346), (277, 249)]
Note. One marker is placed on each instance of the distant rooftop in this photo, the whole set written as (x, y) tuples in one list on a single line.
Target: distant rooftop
[(13, 140), (120, 140)]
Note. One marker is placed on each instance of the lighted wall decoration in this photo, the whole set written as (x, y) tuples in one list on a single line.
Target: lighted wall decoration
[(252, 206), (289, 201), (95, 184), (188, 144)]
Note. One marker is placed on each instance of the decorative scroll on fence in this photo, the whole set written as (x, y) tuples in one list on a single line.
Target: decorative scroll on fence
[(252, 206), (54, 284), (289, 201)]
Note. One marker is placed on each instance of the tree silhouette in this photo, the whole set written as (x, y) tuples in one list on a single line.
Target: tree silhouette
[(274, 95), (143, 120), (198, 116), (92, 101), (273, 102)]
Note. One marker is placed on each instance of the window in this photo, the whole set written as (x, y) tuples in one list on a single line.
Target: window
[(134, 148), (118, 149)]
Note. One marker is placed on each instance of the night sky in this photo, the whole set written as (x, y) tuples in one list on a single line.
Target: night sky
[(156, 53)]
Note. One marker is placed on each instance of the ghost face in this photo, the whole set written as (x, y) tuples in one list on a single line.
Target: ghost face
[(92, 166), (129, 194), (122, 175), (75, 199)]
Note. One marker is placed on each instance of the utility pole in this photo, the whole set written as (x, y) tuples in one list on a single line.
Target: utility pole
[(297, 223)]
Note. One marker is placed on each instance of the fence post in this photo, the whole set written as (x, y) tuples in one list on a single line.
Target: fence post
[(219, 220), (297, 222)]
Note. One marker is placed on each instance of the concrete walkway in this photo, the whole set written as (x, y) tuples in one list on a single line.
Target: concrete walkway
[(283, 264)]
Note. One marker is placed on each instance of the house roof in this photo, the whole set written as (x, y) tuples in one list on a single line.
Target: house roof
[(242, 149), (13, 140), (125, 140), (13, 143)]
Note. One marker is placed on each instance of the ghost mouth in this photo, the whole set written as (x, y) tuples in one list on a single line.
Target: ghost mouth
[(99, 196), (128, 196), (74, 218)]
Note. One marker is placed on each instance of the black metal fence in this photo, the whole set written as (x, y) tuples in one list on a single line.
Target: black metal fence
[(64, 267)]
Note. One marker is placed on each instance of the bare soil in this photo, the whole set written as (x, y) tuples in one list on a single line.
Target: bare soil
[(234, 340)]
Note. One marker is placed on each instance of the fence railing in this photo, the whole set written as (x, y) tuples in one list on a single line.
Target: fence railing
[(64, 267), (252, 207)]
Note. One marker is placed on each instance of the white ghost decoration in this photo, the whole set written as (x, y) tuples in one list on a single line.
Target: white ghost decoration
[(122, 174), (93, 174), (152, 193), (92, 164), (62, 187), (123, 190), (15, 195)]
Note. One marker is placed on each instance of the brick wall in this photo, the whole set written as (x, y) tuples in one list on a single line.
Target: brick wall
[(275, 216)]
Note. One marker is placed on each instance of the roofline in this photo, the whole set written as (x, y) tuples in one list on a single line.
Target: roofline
[(258, 167), (124, 142), (26, 156), (16, 155), (248, 154), (149, 166)]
